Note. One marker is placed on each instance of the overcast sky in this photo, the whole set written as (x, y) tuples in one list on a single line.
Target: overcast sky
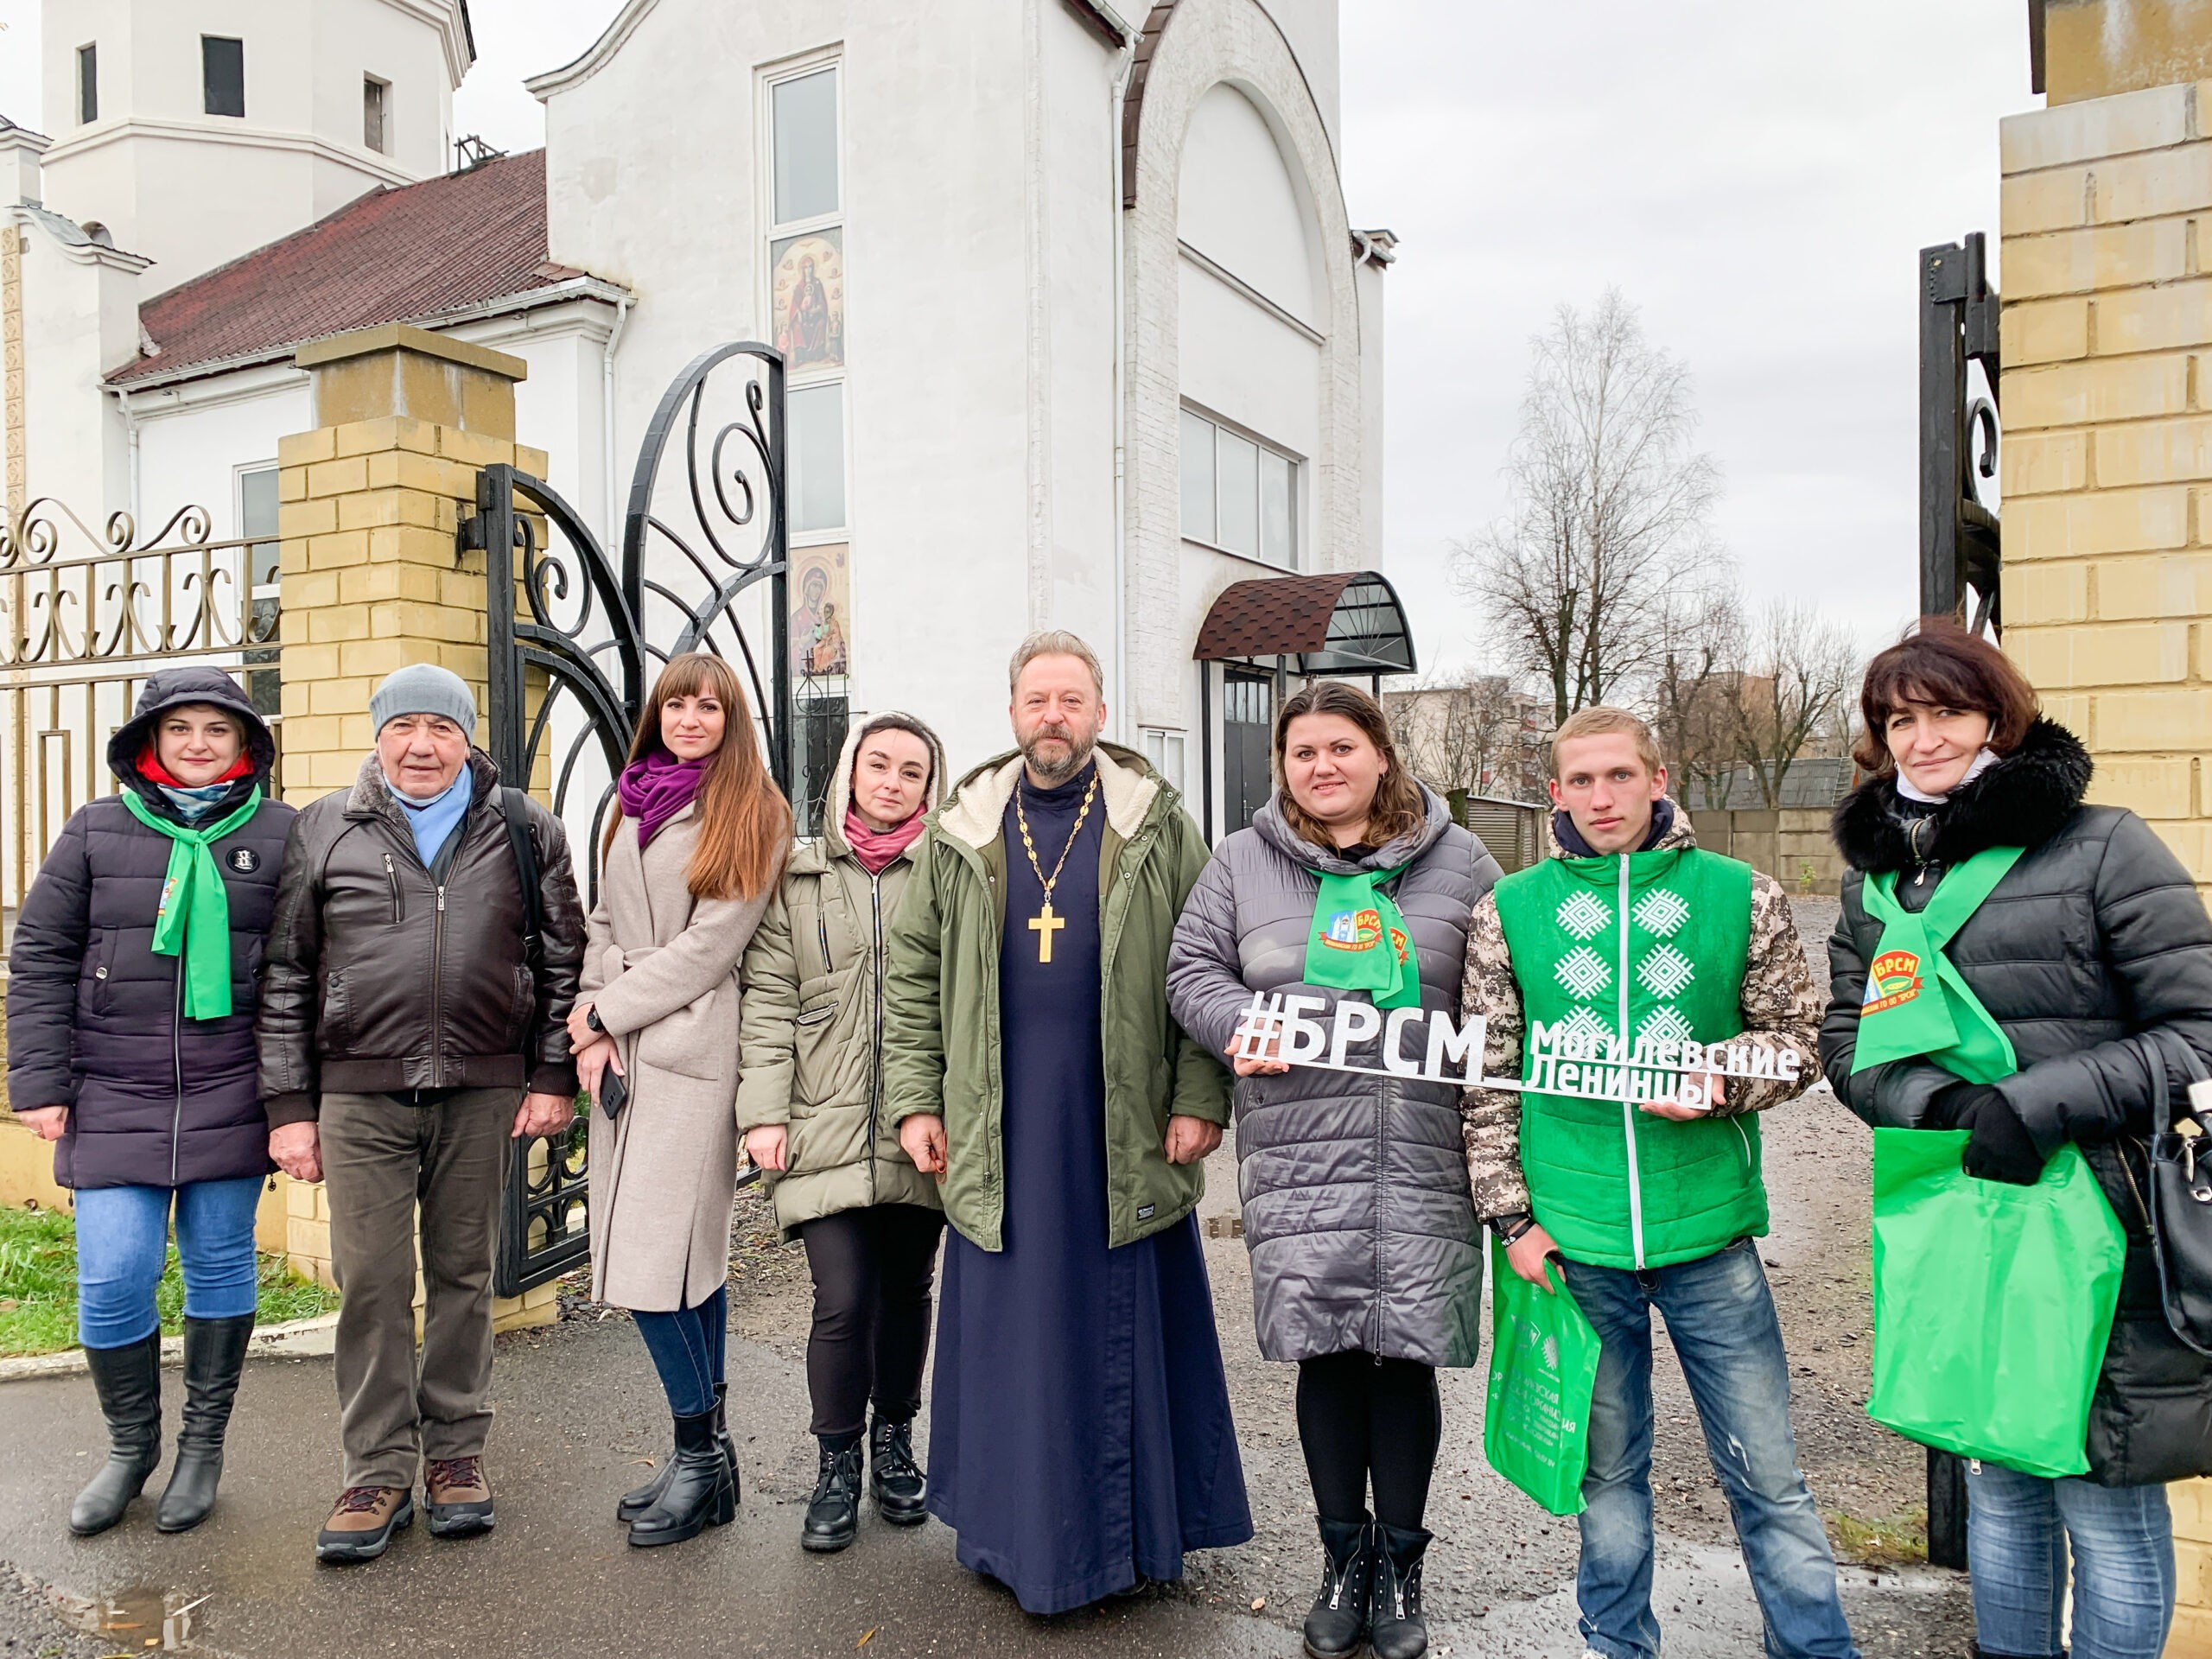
[(1756, 177)]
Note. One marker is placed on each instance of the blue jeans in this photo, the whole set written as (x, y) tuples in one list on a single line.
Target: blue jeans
[(2018, 1528), (687, 1349), (1721, 1315), (122, 1244)]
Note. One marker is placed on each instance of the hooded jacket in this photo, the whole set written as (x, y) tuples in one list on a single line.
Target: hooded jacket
[(2095, 937), (94, 1019), (812, 1020), (1357, 1211), (941, 997)]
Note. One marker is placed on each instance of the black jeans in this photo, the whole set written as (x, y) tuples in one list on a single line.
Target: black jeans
[(873, 1272), (1360, 1417)]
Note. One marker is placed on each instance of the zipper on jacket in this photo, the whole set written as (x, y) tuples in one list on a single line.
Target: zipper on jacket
[(822, 929), (1628, 1108), (876, 1064), (437, 998), (176, 1063), (391, 878)]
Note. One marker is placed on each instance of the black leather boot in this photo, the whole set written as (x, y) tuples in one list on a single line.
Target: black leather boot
[(214, 1355), (901, 1490), (129, 1383), (1395, 1629), (1338, 1623), (701, 1491), (636, 1502), (833, 1515)]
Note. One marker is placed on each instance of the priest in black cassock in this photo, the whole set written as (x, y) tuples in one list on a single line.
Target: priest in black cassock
[(1080, 1439)]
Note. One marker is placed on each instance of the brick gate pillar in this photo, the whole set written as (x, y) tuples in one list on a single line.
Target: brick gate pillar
[(371, 504)]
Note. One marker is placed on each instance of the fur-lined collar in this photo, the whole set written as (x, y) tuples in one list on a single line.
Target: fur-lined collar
[(1680, 833), (975, 814), (2021, 801)]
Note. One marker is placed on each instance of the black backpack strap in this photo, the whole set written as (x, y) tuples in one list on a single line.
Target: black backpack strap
[(514, 805)]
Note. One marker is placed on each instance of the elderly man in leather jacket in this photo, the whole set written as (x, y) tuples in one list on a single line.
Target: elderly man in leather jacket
[(410, 1025)]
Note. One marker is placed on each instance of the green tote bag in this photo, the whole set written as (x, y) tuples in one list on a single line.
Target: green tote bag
[(1992, 1303), (1543, 1369)]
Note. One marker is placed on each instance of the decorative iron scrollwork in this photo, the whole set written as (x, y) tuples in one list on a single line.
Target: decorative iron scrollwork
[(1960, 547)]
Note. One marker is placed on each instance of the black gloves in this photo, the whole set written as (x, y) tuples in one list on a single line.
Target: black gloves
[(2001, 1148), (1953, 1106)]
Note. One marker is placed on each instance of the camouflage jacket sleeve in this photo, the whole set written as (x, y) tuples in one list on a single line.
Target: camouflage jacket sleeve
[(1492, 1116), (1781, 1008)]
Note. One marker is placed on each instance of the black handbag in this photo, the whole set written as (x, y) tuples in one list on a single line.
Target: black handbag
[(2181, 1199)]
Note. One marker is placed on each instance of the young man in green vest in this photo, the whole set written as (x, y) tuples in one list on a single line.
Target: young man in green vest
[(1628, 934)]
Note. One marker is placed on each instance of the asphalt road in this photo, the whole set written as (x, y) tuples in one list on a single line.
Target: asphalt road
[(579, 1410)]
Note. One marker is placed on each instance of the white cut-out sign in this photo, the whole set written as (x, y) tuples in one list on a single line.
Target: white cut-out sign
[(1578, 1061)]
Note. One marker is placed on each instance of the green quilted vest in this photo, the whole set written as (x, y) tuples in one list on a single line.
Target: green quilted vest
[(1652, 945)]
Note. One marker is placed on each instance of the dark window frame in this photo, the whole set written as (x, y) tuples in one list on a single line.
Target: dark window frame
[(88, 83), (380, 89), (219, 78)]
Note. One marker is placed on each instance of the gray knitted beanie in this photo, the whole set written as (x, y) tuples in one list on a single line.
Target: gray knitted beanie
[(423, 688)]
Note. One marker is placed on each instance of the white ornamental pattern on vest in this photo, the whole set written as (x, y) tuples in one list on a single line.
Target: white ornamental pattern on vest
[(1661, 912), (1665, 971), (1583, 971), (1582, 914), (1663, 1025)]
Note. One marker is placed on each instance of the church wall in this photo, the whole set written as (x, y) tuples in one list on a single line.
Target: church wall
[(74, 442), (1311, 27), (1368, 280), (191, 451), (1240, 361), (1237, 204)]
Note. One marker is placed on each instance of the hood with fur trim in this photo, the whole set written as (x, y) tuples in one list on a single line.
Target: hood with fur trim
[(841, 781), (976, 813), (2021, 801)]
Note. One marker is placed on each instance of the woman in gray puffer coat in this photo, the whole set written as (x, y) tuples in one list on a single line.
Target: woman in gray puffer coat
[(1366, 1268)]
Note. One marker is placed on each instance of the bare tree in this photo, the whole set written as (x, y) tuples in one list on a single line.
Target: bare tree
[(1608, 509), (1796, 680), (1455, 734), (1695, 689)]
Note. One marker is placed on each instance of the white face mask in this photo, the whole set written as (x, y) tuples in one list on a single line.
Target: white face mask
[(1982, 763)]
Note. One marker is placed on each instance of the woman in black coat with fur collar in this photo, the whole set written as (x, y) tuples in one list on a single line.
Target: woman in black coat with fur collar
[(2091, 942)]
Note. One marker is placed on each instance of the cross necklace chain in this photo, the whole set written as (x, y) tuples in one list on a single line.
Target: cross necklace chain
[(1044, 925)]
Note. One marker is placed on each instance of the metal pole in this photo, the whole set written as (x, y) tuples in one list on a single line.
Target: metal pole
[(495, 515), (782, 730), (1942, 425)]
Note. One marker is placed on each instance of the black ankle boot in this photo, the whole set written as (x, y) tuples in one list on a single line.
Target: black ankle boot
[(129, 1383), (1338, 1623), (701, 1491), (833, 1516), (214, 1355), (1395, 1629), (636, 1501), (901, 1490)]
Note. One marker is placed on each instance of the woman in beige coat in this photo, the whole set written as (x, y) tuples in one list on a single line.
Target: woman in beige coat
[(690, 863), (811, 1104)]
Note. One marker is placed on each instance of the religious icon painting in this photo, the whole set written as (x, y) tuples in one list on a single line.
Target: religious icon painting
[(806, 296), (821, 603)]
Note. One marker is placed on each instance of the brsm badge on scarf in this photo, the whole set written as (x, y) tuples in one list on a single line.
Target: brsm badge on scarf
[(1892, 980)]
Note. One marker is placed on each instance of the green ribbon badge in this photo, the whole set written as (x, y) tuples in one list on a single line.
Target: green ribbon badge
[(1359, 941), (1916, 1002), (194, 919)]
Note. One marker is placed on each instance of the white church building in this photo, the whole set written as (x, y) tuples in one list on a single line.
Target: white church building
[(1079, 331)]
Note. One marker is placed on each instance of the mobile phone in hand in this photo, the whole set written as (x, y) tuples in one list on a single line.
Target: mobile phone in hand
[(614, 1093)]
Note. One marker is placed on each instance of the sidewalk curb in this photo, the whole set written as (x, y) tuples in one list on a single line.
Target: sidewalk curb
[(296, 1339)]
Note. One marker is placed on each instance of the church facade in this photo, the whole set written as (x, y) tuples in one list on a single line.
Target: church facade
[(1079, 332)]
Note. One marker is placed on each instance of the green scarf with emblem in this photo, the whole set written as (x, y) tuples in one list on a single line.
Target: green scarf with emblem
[(1358, 940), (1917, 1004), (193, 921)]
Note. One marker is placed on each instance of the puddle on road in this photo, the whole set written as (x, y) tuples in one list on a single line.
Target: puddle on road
[(136, 1620)]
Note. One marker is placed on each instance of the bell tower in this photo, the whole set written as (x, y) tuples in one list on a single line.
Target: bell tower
[(192, 131)]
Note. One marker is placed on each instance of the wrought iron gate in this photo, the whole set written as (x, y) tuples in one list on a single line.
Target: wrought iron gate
[(573, 654)]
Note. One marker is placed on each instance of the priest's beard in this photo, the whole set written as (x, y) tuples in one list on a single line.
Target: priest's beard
[(1054, 754)]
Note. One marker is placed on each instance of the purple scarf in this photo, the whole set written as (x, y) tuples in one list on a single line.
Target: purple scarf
[(654, 790)]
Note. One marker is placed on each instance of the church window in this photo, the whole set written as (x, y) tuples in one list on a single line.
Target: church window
[(88, 83), (373, 92), (1165, 751), (222, 75), (805, 142), (817, 457), (1238, 494)]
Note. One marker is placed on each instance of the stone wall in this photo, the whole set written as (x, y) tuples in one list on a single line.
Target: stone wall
[(1792, 845)]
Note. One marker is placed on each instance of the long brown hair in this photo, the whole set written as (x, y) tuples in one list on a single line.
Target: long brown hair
[(1397, 810), (745, 823), (1939, 662)]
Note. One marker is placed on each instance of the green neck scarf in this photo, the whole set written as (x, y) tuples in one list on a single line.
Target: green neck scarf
[(1359, 941), (194, 919), (1905, 1016)]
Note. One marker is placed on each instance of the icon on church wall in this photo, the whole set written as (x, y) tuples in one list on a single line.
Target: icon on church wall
[(807, 291), (821, 602)]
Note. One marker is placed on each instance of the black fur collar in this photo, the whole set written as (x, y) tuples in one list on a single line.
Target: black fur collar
[(2021, 801)]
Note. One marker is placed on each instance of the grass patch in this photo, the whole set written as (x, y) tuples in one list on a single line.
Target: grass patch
[(1899, 1541), (38, 1285)]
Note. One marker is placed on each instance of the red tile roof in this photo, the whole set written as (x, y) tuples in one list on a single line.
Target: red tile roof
[(408, 254)]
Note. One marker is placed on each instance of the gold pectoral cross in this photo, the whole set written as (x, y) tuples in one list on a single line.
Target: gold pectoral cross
[(1044, 925)]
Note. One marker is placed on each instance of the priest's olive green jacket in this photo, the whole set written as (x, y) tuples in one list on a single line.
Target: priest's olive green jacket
[(941, 997)]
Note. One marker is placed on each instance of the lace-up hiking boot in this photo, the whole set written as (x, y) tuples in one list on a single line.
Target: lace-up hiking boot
[(360, 1528), (461, 1497), (833, 1515), (1395, 1629), (636, 1501), (901, 1493), (129, 1383), (700, 1490), (1338, 1623)]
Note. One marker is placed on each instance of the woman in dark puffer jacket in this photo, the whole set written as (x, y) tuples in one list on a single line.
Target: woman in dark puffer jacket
[(2092, 954), (131, 1000)]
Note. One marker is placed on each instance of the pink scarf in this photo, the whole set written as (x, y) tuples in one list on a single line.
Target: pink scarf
[(875, 848)]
